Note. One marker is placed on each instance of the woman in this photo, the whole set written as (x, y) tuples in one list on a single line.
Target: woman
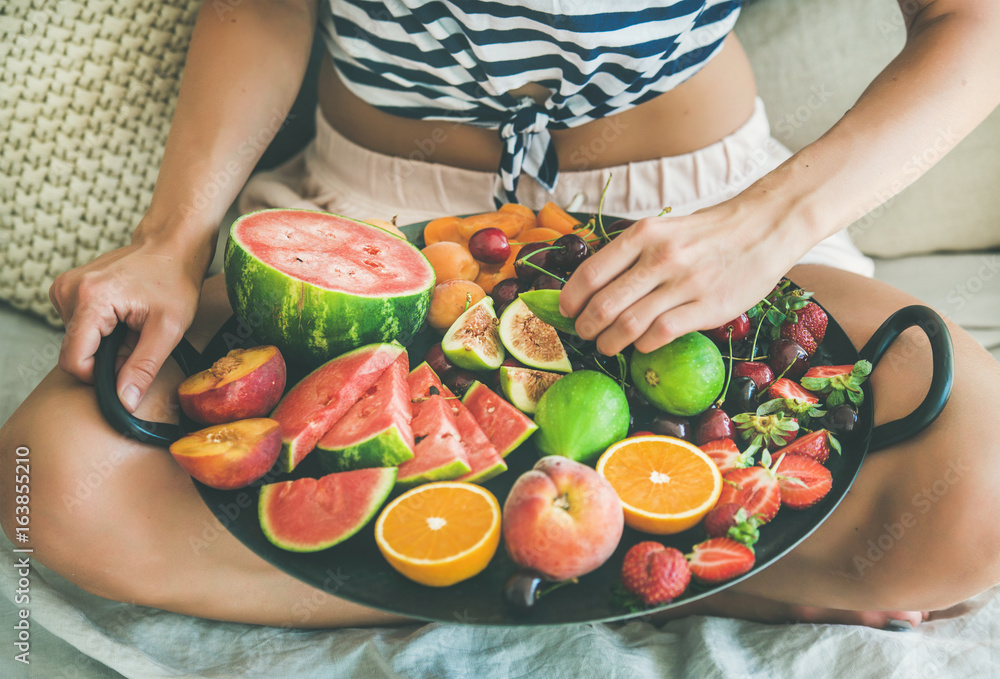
[(145, 536)]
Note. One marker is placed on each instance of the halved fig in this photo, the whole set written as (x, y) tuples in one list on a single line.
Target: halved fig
[(524, 386), (531, 340), (545, 305), (244, 383), (228, 456), (472, 342)]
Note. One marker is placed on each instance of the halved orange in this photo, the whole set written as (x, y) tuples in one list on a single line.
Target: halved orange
[(666, 485), (440, 533)]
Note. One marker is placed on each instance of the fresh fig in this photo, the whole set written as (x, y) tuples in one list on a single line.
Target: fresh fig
[(472, 342), (530, 340), (524, 386)]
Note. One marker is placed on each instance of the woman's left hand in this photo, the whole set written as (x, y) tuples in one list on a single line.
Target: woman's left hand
[(667, 276)]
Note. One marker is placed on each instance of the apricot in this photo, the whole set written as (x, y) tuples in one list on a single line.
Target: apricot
[(389, 226), (451, 260), (551, 216), (444, 229), (538, 235), (450, 299), (242, 384), (491, 274)]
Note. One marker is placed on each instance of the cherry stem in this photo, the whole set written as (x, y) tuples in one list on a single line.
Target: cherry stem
[(525, 262), (600, 210), (729, 373), (539, 593), (664, 211)]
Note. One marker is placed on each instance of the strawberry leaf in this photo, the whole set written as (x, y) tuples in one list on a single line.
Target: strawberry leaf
[(834, 443)]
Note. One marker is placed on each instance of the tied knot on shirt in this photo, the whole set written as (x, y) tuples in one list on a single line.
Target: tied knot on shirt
[(527, 148)]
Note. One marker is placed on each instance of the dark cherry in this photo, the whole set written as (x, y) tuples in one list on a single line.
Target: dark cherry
[(615, 228), (522, 589), (759, 372), (490, 246), (713, 424), (784, 353), (666, 424), (459, 381), (571, 253), (841, 420), (547, 282), (438, 362), (531, 252), (739, 328), (505, 292), (742, 396)]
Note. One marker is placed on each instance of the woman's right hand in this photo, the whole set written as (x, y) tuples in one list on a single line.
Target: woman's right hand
[(145, 285)]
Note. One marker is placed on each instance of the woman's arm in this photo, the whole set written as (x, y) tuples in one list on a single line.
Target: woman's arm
[(665, 277), (243, 71)]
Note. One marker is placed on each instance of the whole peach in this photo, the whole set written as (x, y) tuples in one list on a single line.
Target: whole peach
[(562, 519)]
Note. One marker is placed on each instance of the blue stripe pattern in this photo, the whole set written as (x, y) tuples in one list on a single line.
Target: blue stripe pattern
[(458, 59)]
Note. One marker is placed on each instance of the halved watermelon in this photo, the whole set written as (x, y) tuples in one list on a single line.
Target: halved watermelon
[(317, 285), (438, 451), (376, 431), (504, 425), (307, 515), (323, 396)]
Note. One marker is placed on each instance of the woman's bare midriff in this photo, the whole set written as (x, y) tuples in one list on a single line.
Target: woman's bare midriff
[(710, 105)]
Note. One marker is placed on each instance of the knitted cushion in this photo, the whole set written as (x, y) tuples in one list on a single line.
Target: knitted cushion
[(87, 91)]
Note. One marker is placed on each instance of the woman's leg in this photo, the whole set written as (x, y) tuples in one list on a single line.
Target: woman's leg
[(122, 520)]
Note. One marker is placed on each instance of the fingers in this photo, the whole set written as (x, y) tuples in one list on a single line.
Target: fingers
[(157, 339), (595, 273), (83, 335)]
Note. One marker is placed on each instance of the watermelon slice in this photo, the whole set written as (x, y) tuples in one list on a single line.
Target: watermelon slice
[(504, 425), (317, 285), (307, 515), (438, 453), (484, 460), (325, 395), (376, 431)]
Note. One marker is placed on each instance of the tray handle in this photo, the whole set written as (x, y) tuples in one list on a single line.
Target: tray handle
[(942, 375), (105, 378)]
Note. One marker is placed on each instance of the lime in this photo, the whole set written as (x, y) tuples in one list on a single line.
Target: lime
[(683, 377), (580, 415)]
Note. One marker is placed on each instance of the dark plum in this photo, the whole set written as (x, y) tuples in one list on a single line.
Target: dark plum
[(739, 327), (666, 424), (490, 246), (742, 396), (841, 420), (530, 252), (713, 424), (786, 356), (521, 590), (547, 282), (571, 253), (459, 381), (505, 292), (438, 362)]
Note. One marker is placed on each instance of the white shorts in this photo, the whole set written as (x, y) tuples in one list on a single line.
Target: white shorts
[(336, 175)]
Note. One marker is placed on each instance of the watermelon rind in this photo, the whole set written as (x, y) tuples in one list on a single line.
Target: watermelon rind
[(485, 462), (323, 514), (310, 323), (439, 453), (499, 423), (385, 449), (323, 396)]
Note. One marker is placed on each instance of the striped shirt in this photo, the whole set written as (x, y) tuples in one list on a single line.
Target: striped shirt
[(458, 59)]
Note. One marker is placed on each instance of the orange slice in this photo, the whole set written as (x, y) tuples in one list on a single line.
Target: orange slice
[(666, 485), (440, 533)]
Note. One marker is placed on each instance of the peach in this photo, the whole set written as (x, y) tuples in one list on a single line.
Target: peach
[(228, 456), (242, 384), (562, 519)]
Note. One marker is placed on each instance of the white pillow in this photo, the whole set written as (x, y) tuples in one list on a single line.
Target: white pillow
[(812, 59)]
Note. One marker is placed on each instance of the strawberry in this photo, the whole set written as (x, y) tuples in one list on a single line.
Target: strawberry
[(838, 382), (753, 488), (719, 559), (760, 373), (763, 431), (732, 521), (803, 481), (805, 326), (785, 388), (726, 455), (654, 573), (816, 445)]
